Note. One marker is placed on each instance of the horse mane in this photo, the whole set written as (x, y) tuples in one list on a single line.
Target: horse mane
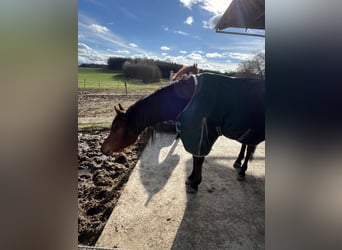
[(185, 70), (162, 105), (137, 113)]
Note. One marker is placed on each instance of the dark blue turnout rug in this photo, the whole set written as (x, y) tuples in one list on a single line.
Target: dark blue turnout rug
[(222, 105)]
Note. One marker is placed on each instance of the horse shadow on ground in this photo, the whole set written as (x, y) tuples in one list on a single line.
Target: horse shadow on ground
[(151, 177), (225, 213), (163, 157)]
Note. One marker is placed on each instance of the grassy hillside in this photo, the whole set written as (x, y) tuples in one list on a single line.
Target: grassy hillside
[(98, 74), (104, 78)]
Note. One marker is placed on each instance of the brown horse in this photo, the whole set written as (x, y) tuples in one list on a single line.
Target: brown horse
[(245, 120), (185, 71), (162, 105)]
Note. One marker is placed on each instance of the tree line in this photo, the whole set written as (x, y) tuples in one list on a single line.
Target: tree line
[(149, 70), (253, 68)]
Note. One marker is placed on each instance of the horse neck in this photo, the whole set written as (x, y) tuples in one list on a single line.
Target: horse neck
[(163, 105)]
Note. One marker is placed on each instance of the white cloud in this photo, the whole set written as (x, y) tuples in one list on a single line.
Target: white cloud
[(195, 56), (97, 47), (102, 45), (214, 55), (189, 20), (177, 59), (98, 28), (211, 23), (202, 63), (222, 67), (133, 45), (124, 51), (240, 56), (83, 46), (198, 51), (250, 46), (88, 55), (206, 25), (213, 6), (164, 48), (188, 3), (181, 32), (101, 39)]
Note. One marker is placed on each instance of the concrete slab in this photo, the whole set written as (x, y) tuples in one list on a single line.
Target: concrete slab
[(155, 212)]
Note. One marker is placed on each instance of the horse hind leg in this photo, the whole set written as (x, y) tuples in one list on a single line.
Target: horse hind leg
[(195, 177), (249, 157), (237, 163)]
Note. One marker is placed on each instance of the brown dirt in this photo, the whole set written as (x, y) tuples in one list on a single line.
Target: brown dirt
[(100, 178), (93, 103)]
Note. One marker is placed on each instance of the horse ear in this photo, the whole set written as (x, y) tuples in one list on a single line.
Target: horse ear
[(121, 108), (118, 111)]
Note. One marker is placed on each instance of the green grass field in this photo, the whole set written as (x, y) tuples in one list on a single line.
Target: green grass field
[(107, 79), (94, 126)]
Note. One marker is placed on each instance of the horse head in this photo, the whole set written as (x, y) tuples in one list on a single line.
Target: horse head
[(185, 72), (122, 134)]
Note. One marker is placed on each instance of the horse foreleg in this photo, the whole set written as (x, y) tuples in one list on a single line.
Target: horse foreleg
[(195, 177), (237, 163), (249, 156)]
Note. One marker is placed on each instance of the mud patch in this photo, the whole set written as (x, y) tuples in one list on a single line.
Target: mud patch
[(101, 180)]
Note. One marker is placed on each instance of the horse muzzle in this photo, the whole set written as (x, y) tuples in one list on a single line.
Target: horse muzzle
[(106, 150)]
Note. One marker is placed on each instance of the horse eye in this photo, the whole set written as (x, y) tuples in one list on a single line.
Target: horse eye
[(114, 125)]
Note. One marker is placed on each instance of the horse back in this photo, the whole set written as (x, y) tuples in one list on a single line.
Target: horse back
[(226, 106)]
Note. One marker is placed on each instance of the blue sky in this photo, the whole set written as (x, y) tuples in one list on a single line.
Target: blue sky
[(180, 31)]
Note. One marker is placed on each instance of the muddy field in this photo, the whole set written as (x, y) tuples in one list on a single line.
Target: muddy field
[(101, 178), (98, 105)]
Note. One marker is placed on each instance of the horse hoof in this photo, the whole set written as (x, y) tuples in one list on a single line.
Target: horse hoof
[(237, 165), (190, 189), (240, 178), (192, 185)]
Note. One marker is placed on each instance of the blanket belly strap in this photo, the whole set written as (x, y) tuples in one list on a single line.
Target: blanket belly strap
[(198, 140), (218, 130)]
